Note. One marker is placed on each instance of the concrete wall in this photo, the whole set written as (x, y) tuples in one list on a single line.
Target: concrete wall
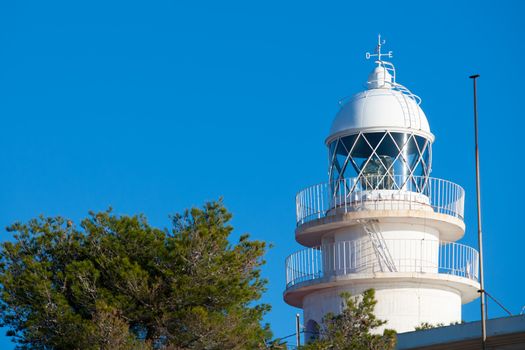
[(403, 305)]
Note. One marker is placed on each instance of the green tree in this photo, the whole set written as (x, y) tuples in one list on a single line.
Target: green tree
[(116, 282), (352, 329), (425, 325)]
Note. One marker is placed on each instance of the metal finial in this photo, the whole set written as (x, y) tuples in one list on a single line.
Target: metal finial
[(378, 53)]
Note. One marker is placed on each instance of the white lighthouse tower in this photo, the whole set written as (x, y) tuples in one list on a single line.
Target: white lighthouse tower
[(381, 221)]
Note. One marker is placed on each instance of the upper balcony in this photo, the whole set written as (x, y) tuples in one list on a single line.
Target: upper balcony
[(430, 201)]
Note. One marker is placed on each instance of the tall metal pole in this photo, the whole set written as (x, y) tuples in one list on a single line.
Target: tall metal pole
[(298, 330), (480, 234)]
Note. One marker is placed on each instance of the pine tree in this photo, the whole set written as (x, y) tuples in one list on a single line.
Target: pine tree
[(116, 282)]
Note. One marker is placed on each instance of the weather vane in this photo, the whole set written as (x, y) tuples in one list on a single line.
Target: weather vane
[(378, 53)]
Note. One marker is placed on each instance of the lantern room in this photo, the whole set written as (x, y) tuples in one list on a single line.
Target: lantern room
[(381, 137)]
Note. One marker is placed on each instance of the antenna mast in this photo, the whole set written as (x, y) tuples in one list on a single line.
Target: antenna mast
[(480, 234)]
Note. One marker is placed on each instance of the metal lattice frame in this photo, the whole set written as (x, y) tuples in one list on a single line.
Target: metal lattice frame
[(388, 175)]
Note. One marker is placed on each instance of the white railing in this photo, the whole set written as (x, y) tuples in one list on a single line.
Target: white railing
[(360, 257), (380, 192)]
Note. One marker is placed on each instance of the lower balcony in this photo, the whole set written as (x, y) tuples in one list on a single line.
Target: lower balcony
[(387, 257)]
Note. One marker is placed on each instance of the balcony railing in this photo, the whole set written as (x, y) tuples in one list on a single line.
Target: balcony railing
[(380, 192), (362, 257)]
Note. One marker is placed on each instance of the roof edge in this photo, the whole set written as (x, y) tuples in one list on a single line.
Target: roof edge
[(428, 135)]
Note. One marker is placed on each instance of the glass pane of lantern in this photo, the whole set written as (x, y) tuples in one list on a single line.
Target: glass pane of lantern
[(361, 148), (420, 163), (341, 157), (348, 142), (412, 156), (360, 153), (334, 166)]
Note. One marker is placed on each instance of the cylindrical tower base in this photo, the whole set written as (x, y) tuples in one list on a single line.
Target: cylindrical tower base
[(403, 305)]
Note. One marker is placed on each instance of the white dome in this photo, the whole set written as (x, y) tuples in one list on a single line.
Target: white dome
[(379, 109)]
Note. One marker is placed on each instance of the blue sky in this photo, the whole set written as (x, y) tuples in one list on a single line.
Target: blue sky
[(153, 107)]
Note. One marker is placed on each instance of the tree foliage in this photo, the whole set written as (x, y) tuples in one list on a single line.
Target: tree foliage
[(353, 328), (426, 325), (116, 282)]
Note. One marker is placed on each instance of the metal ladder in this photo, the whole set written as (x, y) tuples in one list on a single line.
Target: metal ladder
[(379, 244)]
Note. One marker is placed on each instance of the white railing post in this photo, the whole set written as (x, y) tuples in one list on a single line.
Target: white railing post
[(345, 195)]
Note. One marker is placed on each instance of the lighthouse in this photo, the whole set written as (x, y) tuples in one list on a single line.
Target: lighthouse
[(381, 220)]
